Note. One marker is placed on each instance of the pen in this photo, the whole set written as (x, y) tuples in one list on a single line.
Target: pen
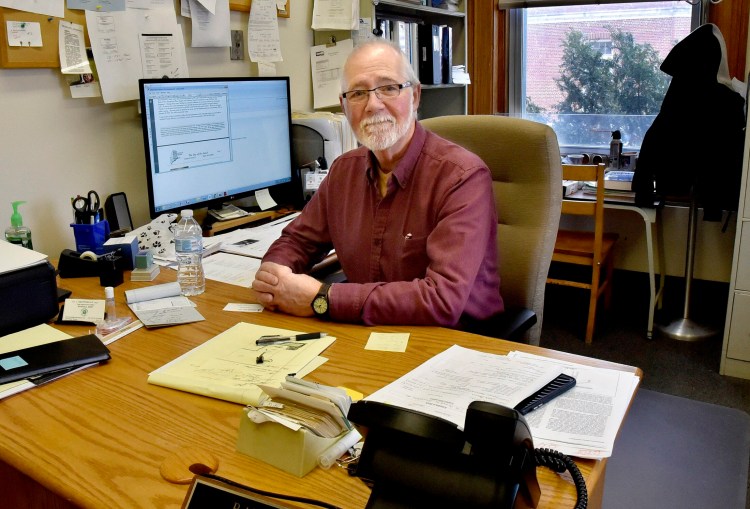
[(269, 340)]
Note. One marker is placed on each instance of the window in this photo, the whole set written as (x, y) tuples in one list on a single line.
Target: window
[(587, 70)]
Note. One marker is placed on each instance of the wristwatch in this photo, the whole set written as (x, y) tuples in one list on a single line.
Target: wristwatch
[(320, 302)]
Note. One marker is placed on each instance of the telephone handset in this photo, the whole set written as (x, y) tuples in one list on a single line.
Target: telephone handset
[(417, 460)]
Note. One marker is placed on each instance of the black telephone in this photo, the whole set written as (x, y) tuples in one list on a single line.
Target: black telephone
[(415, 460)]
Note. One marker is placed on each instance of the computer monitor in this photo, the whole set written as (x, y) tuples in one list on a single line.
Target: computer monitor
[(209, 141)]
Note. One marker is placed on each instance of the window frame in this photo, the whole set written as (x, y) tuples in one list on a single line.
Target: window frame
[(517, 61)]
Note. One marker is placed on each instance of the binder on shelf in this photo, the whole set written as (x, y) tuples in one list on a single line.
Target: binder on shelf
[(446, 53), (430, 64)]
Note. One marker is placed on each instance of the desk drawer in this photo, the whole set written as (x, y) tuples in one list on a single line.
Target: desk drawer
[(738, 342)]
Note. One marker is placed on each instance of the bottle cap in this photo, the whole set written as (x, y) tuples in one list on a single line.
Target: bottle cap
[(109, 292), (187, 213), (15, 218)]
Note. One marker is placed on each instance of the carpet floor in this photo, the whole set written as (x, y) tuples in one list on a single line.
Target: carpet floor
[(685, 369)]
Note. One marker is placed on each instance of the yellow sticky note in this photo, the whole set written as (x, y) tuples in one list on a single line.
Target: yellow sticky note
[(388, 341)]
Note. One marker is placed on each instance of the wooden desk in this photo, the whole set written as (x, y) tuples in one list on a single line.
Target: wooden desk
[(98, 437), (651, 217)]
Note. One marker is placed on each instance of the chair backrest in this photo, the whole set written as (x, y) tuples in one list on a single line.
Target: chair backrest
[(524, 158), (588, 173)]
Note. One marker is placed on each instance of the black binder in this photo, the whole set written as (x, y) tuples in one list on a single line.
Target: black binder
[(56, 356), (430, 63), (446, 53)]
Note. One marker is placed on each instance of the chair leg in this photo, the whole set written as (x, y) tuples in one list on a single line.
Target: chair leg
[(593, 299), (608, 288)]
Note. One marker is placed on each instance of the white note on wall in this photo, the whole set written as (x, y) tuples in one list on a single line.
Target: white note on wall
[(73, 59), (335, 15), (327, 65), (49, 7), (27, 34), (210, 30), (263, 42)]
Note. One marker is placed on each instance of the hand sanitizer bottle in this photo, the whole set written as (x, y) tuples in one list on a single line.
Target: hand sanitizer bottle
[(17, 233)]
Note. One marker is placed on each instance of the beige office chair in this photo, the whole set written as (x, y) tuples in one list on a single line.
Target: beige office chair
[(588, 248), (524, 159)]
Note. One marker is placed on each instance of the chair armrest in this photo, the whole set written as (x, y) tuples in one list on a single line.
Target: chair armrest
[(511, 324)]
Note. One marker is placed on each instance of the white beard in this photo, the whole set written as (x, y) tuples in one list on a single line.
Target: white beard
[(381, 132)]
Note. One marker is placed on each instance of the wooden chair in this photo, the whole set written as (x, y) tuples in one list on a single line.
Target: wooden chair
[(589, 248)]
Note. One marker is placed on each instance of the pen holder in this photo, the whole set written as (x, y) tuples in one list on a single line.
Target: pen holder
[(91, 237)]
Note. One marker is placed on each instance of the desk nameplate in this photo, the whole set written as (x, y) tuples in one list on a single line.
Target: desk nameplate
[(209, 493)]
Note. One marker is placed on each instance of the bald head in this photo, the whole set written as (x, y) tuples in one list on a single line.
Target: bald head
[(376, 47)]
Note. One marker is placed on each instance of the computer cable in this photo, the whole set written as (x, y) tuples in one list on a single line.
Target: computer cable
[(559, 463), (270, 494)]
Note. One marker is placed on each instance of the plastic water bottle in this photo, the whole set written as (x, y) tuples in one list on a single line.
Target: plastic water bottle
[(188, 246)]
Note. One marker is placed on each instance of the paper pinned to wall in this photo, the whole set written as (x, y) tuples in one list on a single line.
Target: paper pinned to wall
[(117, 53), (26, 34), (335, 15), (73, 59), (327, 67), (263, 41), (266, 69), (49, 7), (97, 5), (210, 30)]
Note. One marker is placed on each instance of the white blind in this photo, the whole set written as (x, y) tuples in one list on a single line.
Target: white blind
[(516, 4)]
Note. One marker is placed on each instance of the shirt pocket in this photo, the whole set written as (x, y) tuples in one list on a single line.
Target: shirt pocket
[(412, 255)]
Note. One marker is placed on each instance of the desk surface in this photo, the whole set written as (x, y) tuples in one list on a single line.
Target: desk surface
[(98, 437), (614, 199)]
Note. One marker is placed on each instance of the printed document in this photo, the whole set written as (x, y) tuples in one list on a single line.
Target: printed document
[(327, 64), (582, 422)]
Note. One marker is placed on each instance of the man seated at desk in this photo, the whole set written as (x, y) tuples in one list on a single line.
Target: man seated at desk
[(410, 215)]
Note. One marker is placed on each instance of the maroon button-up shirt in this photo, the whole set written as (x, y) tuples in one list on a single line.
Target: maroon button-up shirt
[(425, 254)]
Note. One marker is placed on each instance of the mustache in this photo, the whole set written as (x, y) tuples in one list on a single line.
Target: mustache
[(378, 119)]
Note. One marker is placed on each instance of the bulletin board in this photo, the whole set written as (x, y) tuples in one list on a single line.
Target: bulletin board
[(244, 5), (44, 56)]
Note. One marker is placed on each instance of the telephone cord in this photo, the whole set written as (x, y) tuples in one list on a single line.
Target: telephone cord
[(560, 462)]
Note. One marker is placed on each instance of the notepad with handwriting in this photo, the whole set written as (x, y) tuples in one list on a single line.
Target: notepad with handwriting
[(226, 367)]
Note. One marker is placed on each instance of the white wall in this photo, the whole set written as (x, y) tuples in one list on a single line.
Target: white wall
[(53, 147)]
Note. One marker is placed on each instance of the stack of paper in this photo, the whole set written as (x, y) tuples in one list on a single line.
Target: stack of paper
[(14, 257), (299, 404), (581, 422)]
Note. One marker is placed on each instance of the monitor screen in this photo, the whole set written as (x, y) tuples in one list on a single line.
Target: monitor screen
[(212, 140)]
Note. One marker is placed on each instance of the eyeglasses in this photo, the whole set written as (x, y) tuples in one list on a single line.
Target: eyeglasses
[(383, 92)]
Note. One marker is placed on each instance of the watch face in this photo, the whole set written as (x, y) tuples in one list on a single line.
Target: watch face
[(320, 305)]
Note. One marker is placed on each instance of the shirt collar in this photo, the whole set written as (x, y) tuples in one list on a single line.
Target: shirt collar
[(405, 167)]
